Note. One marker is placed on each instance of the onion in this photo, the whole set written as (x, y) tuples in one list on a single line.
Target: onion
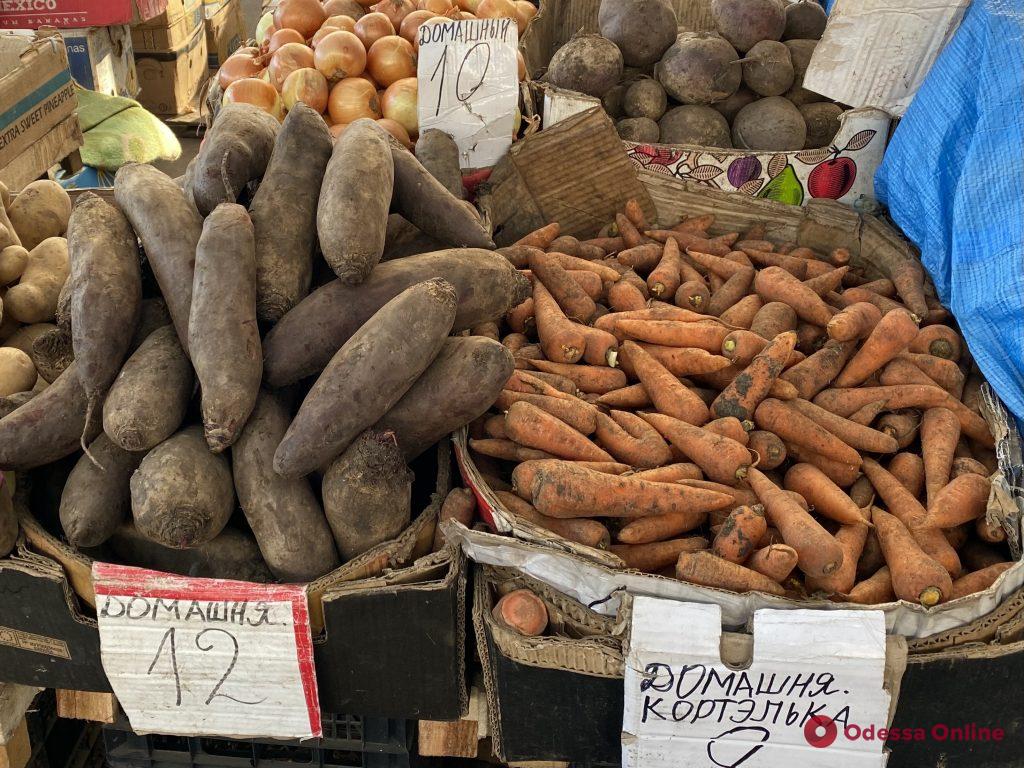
[(411, 26), (395, 10), (346, 23), (390, 59), (465, 16), (250, 90), (282, 36), (525, 11), (305, 85), (304, 16), (468, 5), (266, 21), (287, 59), (321, 33), (239, 65), (366, 76), (340, 55), (495, 9), (399, 104), (348, 8), (372, 27), (437, 6), (351, 99), (397, 130), (521, 62)]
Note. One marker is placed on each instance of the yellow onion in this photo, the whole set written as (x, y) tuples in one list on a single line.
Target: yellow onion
[(308, 86), (287, 59), (304, 16), (390, 59), (351, 99), (242, 63), (250, 90), (399, 103)]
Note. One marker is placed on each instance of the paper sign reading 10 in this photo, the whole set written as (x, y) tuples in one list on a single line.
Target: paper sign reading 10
[(207, 656), (469, 85)]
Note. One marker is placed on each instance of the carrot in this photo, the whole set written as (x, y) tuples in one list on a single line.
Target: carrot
[(741, 346), (855, 322), (657, 555), (809, 337), (908, 278), (939, 340), (855, 435), (653, 528), (772, 319), (940, 431), (716, 265), (776, 284), (768, 448), (776, 561), (680, 361), (587, 378), (731, 291), (689, 240), (991, 533), (874, 590), (560, 339), (590, 533), (567, 490), (518, 255), (901, 425), (740, 496), (916, 577), (577, 414), (631, 237), (669, 395), (783, 390), (845, 401), (961, 500), (883, 303), (742, 313), (459, 504), (890, 337), (909, 469), (978, 581), (882, 287), (829, 280), (675, 333), (574, 263), (730, 427), (971, 424), (793, 427), (656, 311), (633, 396), (695, 223), (751, 385), (635, 213), (624, 296), (707, 570), (795, 266), (566, 244), (601, 348), (558, 382), (515, 341), (757, 243), (529, 382), (945, 373), (819, 369), (964, 465), (569, 294), (520, 318), (901, 372), (671, 473), (540, 238), (722, 459), (839, 473), (507, 450), (632, 440), (606, 244), (522, 612), (643, 257), (851, 538), (530, 426), (826, 497), (523, 475), (838, 257), (740, 532), (664, 279), (868, 413), (692, 294)]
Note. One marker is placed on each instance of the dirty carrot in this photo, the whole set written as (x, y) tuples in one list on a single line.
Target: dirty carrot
[(795, 266), (890, 337), (845, 401), (729, 426), (739, 534), (940, 432), (541, 238), (520, 317), (772, 319), (664, 279), (587, 378), (528, 381), (945, 373), (916, 577), (560, 339), (742, 313), (633, 396), (868, 413), (631, 237), (657, 555), (793, 427), (827, 498), (742, 346), (908, 278), (642, 258), (962, 465), (669, 395), (675, 333), (855, 435), (716, 265), (507, 450), (818, 370), (851, 538), (710, 571), (776, 284), (584, 531), (776, 561), (961, 500), (902, 426), (827, 281), (623, 296), (579, 415), (752, 384), (731, 291), (908, 468), (570, 296), (681, 361), (632, 440), (601, 348), (939, 340), (978, 581), (535, 428), (722, 459), (671, 473), (854, 322), (769, 449)]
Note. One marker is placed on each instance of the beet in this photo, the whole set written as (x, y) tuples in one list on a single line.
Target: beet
[(695, 124), (822, 120), (588, 64), (642, 29), (804, 20), (746, 22), (645, 98), (769, 124), (700, 68), (730, 106), (800, 51), (768, 68), (642, 130)]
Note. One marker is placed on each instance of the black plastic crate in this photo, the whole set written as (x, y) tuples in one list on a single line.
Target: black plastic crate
[(60, 743), (349, 741)]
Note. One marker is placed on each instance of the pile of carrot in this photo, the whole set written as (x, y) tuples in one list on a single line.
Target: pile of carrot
[(743, 414)]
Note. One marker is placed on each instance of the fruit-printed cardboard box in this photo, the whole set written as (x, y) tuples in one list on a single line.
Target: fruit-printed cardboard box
[(844, 170)]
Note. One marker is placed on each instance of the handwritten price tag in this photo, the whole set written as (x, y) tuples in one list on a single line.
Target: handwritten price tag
[(469, 85), (813, 675), (207, 656)]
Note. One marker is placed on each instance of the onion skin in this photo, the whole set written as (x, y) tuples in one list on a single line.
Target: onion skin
[(397, 130), (399, 103), (304, 16), (351, 99), (372, 27), (237, 66), (391, 59), (282, 36), (340, 55), (395, 10), (287, 59), (411, 26), (308, 86)]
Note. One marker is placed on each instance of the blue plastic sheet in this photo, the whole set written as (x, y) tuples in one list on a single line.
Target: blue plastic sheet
[(953, 179)]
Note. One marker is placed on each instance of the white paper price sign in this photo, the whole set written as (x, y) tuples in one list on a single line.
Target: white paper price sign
[(469, 85), (814, 686), (207, 656)]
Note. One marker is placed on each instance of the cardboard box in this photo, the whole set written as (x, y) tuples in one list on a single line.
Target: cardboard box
[(224, 34), (71, 14), (169, 81), (38, 125), (101, 59), (171, 29)]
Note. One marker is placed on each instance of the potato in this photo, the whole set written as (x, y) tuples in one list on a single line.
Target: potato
[(800, 51), (769, 124), (17, 373), (13, 260), (699, 68), (768, 68), (695, 124), (642, 29), (39, 211), (645, 98), (822, 120), (588, 63), (642, 130), (730, 106), (24, 337), (613, 99), (746, 22), (34, 298), (804, 20)]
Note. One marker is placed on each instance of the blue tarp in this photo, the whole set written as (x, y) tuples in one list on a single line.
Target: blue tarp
[(953, 180)]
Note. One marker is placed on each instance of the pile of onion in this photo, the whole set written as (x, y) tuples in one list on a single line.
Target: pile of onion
[(259, 93), (395, 10), (288, 58), (372, 27)]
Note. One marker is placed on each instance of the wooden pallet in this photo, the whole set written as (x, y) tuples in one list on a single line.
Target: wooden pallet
[(86, 705)]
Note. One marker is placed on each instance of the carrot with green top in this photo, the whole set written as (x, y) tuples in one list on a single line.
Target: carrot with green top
[(579, 415), (916, 577), (669, 395), (721, 458), (776, 561), (751, 385), (962, 500), (656, 555), (939, 340), (632, 440), (587, 378), (742, 313), (705, 335), (855, 435), (827, 498), (535, 428), (776, 284)]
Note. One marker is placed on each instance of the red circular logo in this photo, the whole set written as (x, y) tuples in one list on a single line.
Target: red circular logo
[(820, 731)]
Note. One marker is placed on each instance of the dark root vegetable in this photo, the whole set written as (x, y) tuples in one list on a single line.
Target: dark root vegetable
[(768, 68), (730, 106), (645, 98), (746, 22), (642, 130), (613, 99), (804, 20), (642, 29), (800, 51), (769, 124), (699, 68), (822, 120), (588, 63), (695, 124)]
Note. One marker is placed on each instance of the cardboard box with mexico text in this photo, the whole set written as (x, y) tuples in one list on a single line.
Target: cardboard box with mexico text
[(70, 14)]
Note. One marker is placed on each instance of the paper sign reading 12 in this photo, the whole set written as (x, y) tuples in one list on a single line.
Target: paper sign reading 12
[(207, 656), (814, 684), (469, 85)]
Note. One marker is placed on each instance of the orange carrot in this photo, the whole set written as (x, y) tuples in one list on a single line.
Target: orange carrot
[(810, 337), (692, 294), (721, 458), (560, 383), (776, 561), (577, 414), (540, 238), (978, 581), (901, 372), (460, 505), (742, 313), (856, 436), (566, 244), (939, 340), (530, 426), (632, 440), (827, 281), (669, 395), (819, 553), (793, 427), (528, 381), (607, 244), (845, 401), (567, 490), (901, 425), (602, 348), (783, 390), (623, 296), (841, 474), (494, 427), (819, 369), (507, 450), (855, 322), (826, 497), (587, 378), (751, 386), (675, 333), (729, 426), (524, 356), (664, 278), (795, 266), (851, 538), (890, 337), (739, 534), (671, 473), (731, 291), (652, 528), (940, 431), (874, 590), (971, 424), (628, 232), (964, 465), (570, 296), (863, 294), (680, 361), (635, 214), (520, 317), (688, 240), (741, 346), (633, 396), (643, 257), (908, 468), (868, 413), (776, 284), (716, 265), (575, 263), (991, 533), (916, 577), (560, 338), (758, 243), (656, 311), (945, 373), (657, 555), (697, 224), (961, 500), (772, 319), (518, 255), (768, 447), (590, 533), (522, 612), (707, 570), (908, 277)]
